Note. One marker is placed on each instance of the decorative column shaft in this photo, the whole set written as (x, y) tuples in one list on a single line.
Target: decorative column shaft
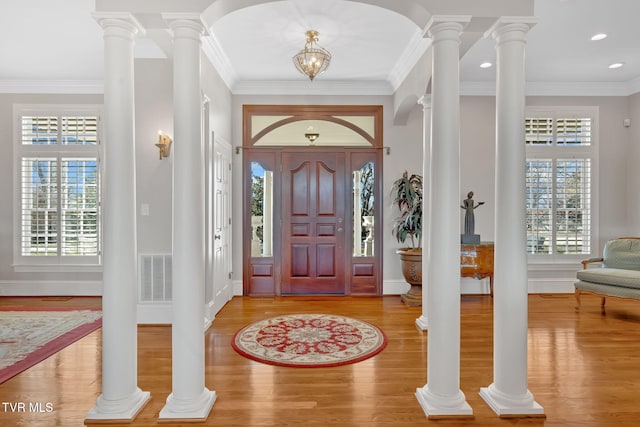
[(190, 399), (422, 322), (508, 395), (442, 394), (121, 399)]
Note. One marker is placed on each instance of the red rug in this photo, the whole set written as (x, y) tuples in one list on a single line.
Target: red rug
[(309, 340), (28, 336)]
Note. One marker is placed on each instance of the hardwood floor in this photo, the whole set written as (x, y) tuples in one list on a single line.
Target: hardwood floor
[(584, 369)]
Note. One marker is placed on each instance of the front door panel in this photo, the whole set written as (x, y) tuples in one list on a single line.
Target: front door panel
[(313, 207)]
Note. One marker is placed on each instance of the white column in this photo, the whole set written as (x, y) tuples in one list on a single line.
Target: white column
[(121, 399), (508, 395), (441, 396), (422, 322), (190, 399)]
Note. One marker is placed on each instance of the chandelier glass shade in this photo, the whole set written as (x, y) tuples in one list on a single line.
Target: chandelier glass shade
[(313, 59)]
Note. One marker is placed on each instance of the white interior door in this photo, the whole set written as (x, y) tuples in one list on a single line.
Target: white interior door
[(209, 163), (222, 288)]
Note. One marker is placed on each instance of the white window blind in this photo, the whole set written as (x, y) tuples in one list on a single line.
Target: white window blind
[(559, 184), (79, 194), (59, 189)]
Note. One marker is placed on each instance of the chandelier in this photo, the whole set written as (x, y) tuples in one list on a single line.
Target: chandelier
[(313, 59)]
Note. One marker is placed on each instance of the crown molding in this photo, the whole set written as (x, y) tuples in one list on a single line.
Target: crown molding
[(634, 86), (52, 86), (333, 87), (219, 59), (577, 89), (416, 48), (488, 88), (317, 87)]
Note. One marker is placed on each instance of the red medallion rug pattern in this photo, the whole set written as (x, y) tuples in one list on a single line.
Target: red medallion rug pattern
[(29, 336), (309, 340)]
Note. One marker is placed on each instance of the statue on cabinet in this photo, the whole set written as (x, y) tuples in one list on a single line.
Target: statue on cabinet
[(469, 205)]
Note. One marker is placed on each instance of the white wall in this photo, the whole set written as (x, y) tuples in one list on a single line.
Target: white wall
[(153, 101), (154, 111), (633, 164), (154, 177), (477, 159)]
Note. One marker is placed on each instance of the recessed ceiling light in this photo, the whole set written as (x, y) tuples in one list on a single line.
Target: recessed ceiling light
[(616, 65), (599, 36), (486, 65)]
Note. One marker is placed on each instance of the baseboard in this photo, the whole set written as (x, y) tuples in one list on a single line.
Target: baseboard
[(389, 287), (155, 314), (479, 287), (551, 286), (395, 287), (237, 288), (26, 288)]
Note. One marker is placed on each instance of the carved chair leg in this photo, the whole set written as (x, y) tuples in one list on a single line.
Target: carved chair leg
[(577, 295)]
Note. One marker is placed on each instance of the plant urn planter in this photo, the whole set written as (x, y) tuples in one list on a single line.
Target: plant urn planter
[(411, 261)]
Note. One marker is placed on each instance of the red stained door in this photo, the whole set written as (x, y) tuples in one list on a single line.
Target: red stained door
[(313, 238)]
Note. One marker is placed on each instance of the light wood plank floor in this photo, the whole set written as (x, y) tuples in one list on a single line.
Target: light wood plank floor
[(584, 369)]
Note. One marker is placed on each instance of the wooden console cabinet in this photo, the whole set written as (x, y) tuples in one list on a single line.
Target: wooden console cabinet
[(477, 261)]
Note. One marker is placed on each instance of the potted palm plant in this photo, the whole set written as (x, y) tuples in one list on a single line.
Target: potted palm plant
[(407, 229)]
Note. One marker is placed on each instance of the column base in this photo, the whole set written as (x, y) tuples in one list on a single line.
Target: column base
[(511, 406), (117, 410), (439, 407), (422, 323), (192, 409)]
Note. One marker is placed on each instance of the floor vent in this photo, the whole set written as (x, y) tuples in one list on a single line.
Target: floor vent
[(155, 277)]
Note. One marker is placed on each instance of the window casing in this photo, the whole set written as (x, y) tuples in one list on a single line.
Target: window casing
[(561, 166), (57, 188)]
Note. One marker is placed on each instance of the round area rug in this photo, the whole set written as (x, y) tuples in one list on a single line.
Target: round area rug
[(309, 340)]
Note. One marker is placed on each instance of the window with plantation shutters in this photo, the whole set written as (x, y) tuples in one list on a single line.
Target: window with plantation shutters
[(58, 183), (559, 173)]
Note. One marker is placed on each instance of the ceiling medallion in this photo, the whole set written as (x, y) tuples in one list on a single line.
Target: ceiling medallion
[(313, 59)]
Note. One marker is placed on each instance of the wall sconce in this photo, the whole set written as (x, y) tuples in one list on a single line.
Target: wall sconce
[(164, 144)]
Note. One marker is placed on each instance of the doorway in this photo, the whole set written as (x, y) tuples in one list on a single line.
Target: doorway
[(310, 212)]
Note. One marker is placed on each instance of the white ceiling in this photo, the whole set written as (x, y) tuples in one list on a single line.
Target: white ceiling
[(261, 40), (56, 43)]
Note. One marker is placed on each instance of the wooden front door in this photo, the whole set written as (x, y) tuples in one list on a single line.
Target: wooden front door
[(313, 208)]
